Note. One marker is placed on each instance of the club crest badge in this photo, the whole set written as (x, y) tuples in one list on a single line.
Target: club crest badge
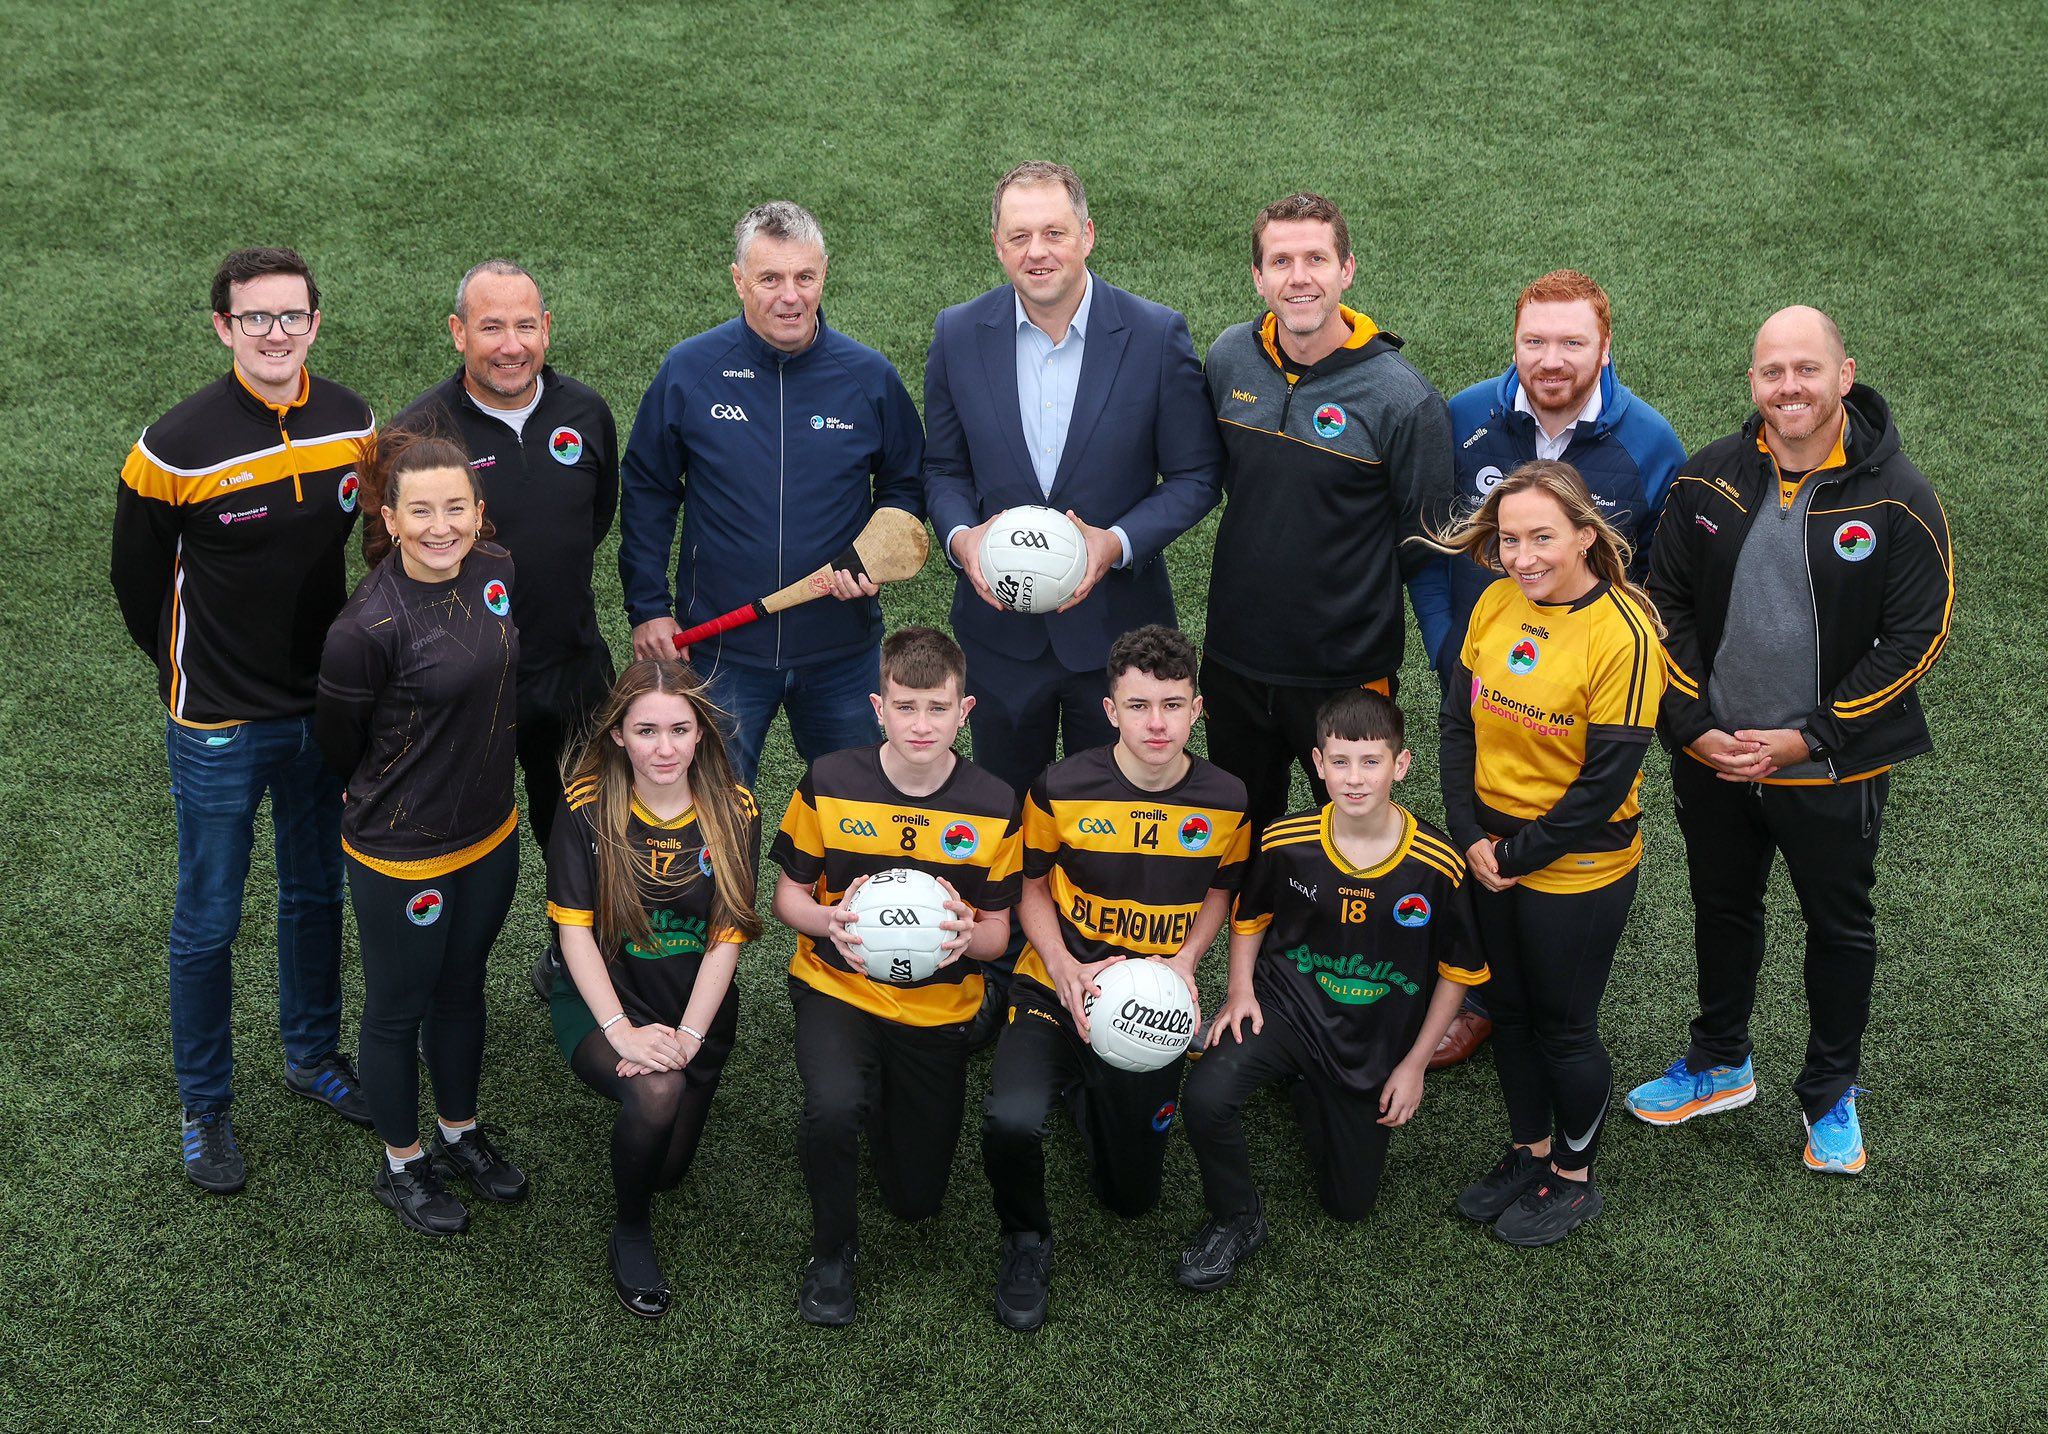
[(1855, 541), (1522, 657), (1331, 420), (566, 444)]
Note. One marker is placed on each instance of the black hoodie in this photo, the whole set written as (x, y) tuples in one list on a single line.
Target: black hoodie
[(1879, 568)]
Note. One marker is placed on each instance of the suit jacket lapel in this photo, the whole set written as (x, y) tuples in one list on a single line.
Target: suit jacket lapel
[(997, 331), (1102, 350)]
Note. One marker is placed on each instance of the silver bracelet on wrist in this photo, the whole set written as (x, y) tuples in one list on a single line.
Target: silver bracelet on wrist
[(697, 1036), (613, 1021)]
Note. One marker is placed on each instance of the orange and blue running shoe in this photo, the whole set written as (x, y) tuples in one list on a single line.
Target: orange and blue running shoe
[(1834, 1143), (1680, 1094)]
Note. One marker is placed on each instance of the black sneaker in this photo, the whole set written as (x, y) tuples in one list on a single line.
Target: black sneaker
[(1550, 1210), (333, 1081), (1212, 1256), (543, 974), (416, 1195), (826, 1294), (1485, 1198), (1021, 1283), (211, 1160), (636, 1273), (476, 1163)]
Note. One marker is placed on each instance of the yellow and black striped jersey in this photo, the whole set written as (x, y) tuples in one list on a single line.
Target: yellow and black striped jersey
[(847, 820), (1350, 955), (1546, 678), (1128, 869), (673, 872)]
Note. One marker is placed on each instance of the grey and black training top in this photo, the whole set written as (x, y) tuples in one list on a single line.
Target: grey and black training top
[(1330, 467)]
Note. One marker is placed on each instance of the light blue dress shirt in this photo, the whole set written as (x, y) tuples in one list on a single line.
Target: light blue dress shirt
[(1048, 377)]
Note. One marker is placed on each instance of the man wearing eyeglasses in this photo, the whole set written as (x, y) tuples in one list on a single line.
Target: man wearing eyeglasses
[(229, 526)]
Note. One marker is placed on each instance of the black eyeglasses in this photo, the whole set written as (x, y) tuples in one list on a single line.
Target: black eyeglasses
[(256, 323)]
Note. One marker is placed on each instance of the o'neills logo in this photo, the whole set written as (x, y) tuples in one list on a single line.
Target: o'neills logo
[(1351, 980), (1168, 1030)]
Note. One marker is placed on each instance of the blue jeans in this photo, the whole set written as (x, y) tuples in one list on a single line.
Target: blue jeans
[(218, 779), (827, 703)]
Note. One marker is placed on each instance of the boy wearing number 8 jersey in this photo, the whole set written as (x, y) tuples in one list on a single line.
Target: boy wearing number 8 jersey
[(876, 1056), (1131, 851), (1348, 919)]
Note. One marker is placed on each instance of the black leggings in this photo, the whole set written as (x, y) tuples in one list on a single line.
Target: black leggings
[(424, 940), (661, 1114), (1550, 955)]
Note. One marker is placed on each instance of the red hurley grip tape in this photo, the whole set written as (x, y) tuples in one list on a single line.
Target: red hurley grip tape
[(738, 617)]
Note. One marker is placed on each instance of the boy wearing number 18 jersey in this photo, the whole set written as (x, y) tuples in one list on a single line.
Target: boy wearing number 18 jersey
[(1348, 919), (1131, 851), (877, 1056)]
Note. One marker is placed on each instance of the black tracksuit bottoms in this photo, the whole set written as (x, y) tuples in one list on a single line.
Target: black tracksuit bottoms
[(1346, 1142), (1829, 836), (905, 1086), (1551, 953), (555, 704), (1123, 1116), (423, 941)]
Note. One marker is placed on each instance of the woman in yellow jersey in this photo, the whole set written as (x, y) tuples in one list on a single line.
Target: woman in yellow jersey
[(651, 886), (1549, 710), (415, 712)]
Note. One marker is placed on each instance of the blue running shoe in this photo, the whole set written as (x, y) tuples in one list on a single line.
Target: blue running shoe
[(1834, 1143), (1678, 1095), (332, 1081), (211, 1160)]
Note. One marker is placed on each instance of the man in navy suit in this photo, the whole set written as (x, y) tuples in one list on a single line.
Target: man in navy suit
[(1060, 390)]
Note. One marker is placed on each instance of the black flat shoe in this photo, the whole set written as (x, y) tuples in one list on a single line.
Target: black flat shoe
[(636, 1275)]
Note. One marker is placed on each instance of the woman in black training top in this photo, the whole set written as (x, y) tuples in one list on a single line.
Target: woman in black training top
[(416, 714), (651, 886)]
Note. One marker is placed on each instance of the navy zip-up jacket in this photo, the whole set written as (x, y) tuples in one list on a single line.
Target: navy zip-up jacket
[(1628, 456), (776, 461)]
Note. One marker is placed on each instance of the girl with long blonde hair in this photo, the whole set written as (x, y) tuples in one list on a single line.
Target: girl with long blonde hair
[(651, 887)]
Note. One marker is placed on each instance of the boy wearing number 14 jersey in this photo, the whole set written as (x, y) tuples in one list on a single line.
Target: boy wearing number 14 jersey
[(1131, 852), (877, 1056), (1349, 917)]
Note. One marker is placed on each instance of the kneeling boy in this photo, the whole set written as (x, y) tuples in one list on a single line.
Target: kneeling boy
[(1130, 850), (1349, 916), (889, 1059)]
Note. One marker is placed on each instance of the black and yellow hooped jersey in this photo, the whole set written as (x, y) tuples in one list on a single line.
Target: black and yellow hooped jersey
[(673, 872), (1545, 678), (1350, 955), (1129, 869), (846, 820)]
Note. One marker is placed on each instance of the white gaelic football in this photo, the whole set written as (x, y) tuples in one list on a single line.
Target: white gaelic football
[(900, 937), (1144, 1017), (1033, 558)]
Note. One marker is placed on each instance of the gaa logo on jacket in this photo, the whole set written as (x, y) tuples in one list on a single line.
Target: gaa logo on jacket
[(497, 597)]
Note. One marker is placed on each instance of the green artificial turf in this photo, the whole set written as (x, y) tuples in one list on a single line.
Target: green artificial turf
[(1707, 166)]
